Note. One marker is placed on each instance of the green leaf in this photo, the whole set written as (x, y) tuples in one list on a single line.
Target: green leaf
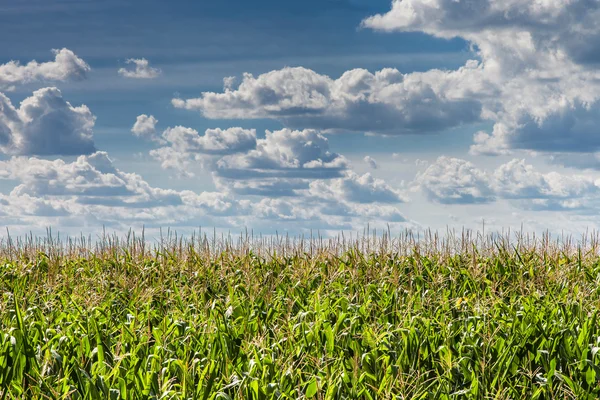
[(311, 389), (590, 376)]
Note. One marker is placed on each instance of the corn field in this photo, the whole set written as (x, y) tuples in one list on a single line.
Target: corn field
[(377, 316)]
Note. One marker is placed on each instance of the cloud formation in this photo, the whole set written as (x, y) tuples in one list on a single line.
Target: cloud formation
[(285, 163), (285, 154), (357, 189), (518, 31), (371, 162), (145, 126), (141, 69), (536, 80), (517, 180), (90, 180), (540, 57), (45, 124), (184, 146), (568, 127), (456, 181), (386, 102), (214, 141), (287, 176), (91, 191), (66, 66)]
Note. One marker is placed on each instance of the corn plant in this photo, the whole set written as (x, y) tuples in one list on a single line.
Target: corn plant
[(460, 317)]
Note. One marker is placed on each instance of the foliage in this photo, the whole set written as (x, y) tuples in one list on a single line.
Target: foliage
[(376, 318)]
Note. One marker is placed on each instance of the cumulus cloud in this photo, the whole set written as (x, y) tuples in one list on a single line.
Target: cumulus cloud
[(214, 141), (368, 213), (285, 163), (540, 58), (552, 119), (215, 203), (228, 82), (358, 189), (285, 154), (333, 216), (265, 187), (294, 172), (456, 181), (141, 69), (90, 179), (66, 66), (371, 162), (91, 191), (285, 210), (171, 159), (304, 181), (145, 126), (536, 80), (565, 128), (386, 102), (185, 146), (517, 180), (506, 31), (45, 124)]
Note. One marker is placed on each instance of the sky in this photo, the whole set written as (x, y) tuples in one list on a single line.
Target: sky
[(282, 117)]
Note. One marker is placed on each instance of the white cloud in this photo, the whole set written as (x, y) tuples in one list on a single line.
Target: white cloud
[(20, 207), (517, 31), (539, 59), (285, 154), (91, 191), (215, 203), (536, 80), (281, 165), (169, 158), (186, 146), (45, 124), (214, 141), (421, 163), (358, 189), (266, 187), (285, 163), (326, 215), (141, 70), (386, 102), (66, 66), (567, 127), (228, 82), (379, 213), (517, 180), (145, 126), (456, 181), (287, 176), (291, 214), (285, 210), (90, 179), (371, 162)]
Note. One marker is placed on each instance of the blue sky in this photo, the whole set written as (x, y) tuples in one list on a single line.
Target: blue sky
[(338, 114)]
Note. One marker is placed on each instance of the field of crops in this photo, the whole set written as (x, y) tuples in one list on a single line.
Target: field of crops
[(462, 316)]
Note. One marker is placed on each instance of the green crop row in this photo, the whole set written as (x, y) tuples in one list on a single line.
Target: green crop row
[(504, 323)]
